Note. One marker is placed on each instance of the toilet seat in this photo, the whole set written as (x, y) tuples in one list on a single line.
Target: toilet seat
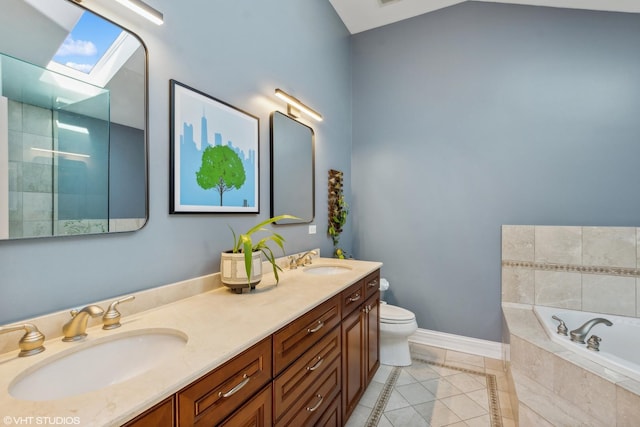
[(392, 314)]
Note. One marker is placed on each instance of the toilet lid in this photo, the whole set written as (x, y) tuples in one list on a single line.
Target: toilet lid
[(393, 314)]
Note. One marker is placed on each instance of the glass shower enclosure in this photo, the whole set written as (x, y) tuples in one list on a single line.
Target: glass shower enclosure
[(54, 153)]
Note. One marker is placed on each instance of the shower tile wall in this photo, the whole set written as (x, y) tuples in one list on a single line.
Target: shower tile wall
[(593, 269), (30, 172)]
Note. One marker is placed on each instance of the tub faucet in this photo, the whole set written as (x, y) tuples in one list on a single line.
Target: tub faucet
[(75, 328), (579, 334)]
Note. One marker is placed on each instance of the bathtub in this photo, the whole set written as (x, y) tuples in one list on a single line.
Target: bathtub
[(620, 346)]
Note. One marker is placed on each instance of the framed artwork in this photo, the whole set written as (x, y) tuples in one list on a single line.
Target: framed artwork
[(214, 155)]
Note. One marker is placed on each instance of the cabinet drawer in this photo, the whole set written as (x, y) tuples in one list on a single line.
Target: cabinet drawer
[(256, 412), (352, 298), (332, 416), (297, 337), (310, 406), (305, 372), (371, 284), (216, 395)]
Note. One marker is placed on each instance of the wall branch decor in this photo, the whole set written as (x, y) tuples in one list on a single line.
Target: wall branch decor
[(338, 210)]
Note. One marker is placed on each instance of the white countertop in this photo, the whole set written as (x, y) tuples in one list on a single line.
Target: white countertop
[(219, 325)]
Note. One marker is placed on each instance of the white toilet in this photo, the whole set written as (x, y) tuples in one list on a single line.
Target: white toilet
[(396, 325)]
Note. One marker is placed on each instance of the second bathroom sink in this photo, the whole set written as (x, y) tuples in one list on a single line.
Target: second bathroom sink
[(325, 270), (97, 364)]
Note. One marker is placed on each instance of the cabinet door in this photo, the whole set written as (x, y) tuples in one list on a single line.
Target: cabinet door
[(353, 344), (372, 353), (161, 415), (255, 413)]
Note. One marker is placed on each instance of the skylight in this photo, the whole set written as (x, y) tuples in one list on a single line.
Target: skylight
[(93, 51), (86, 44)]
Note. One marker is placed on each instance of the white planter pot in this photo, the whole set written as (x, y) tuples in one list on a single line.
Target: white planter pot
[(234, 274)]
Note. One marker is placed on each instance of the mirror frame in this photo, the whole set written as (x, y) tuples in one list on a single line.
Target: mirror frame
[(273, 171), (145, 106)]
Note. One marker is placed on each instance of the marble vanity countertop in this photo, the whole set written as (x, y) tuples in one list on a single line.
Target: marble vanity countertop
[(219, 325)]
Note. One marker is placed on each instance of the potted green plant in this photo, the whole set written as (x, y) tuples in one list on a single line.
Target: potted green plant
[(241, 267)]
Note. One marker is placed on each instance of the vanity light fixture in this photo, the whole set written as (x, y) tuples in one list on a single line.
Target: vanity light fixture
[(294, 106), (144, 10)]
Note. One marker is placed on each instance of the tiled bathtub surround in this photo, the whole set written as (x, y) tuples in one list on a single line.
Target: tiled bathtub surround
[(582, 268)]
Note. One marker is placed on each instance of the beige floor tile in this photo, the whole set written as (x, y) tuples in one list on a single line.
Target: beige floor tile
[(494, 364), (406, 417), (441, 388), (384, 422), (437, 414), (431, 395), (463, 406), (443, 371), (359, 416), (481, 421), (481, 397), (396, 401), (371, 394), (382, 374), (415, 393), (468, 382), (454, 357), (422, 371)]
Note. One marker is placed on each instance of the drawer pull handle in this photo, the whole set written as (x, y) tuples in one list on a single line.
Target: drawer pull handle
[(316, 366), (355, 298), (317, 328), (317, 405), (373, 283), (237, 388)]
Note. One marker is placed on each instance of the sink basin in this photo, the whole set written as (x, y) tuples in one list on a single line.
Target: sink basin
[(97, 364), (326, 270)]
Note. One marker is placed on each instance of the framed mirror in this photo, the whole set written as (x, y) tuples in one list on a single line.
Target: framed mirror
[(292, 169), (73, 121)]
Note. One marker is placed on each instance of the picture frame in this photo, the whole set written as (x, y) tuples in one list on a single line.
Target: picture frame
[(214, 155)]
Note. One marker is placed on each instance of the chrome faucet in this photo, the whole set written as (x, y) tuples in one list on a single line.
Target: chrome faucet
[(578, 335), (75, 328)]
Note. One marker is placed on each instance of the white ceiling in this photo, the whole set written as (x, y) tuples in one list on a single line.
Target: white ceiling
[(362, 15)]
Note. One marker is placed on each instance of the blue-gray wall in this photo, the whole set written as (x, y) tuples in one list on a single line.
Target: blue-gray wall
[(485, 114), (236, 51)]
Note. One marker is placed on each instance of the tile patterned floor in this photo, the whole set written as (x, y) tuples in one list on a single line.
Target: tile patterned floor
[(441, 388)]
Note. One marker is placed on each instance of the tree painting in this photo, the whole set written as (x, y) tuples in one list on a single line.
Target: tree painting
[(221, 169)]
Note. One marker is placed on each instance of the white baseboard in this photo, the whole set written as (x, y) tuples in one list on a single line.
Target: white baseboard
[(459, 343)]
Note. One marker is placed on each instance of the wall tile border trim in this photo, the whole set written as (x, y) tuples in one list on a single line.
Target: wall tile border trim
[(586, 269)]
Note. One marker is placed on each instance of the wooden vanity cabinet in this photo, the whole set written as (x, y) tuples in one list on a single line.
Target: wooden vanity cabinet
[(312, 372), (214, 397), (360, 340)]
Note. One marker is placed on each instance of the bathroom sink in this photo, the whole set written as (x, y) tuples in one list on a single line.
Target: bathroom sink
[(97, 364), (326, 270)]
